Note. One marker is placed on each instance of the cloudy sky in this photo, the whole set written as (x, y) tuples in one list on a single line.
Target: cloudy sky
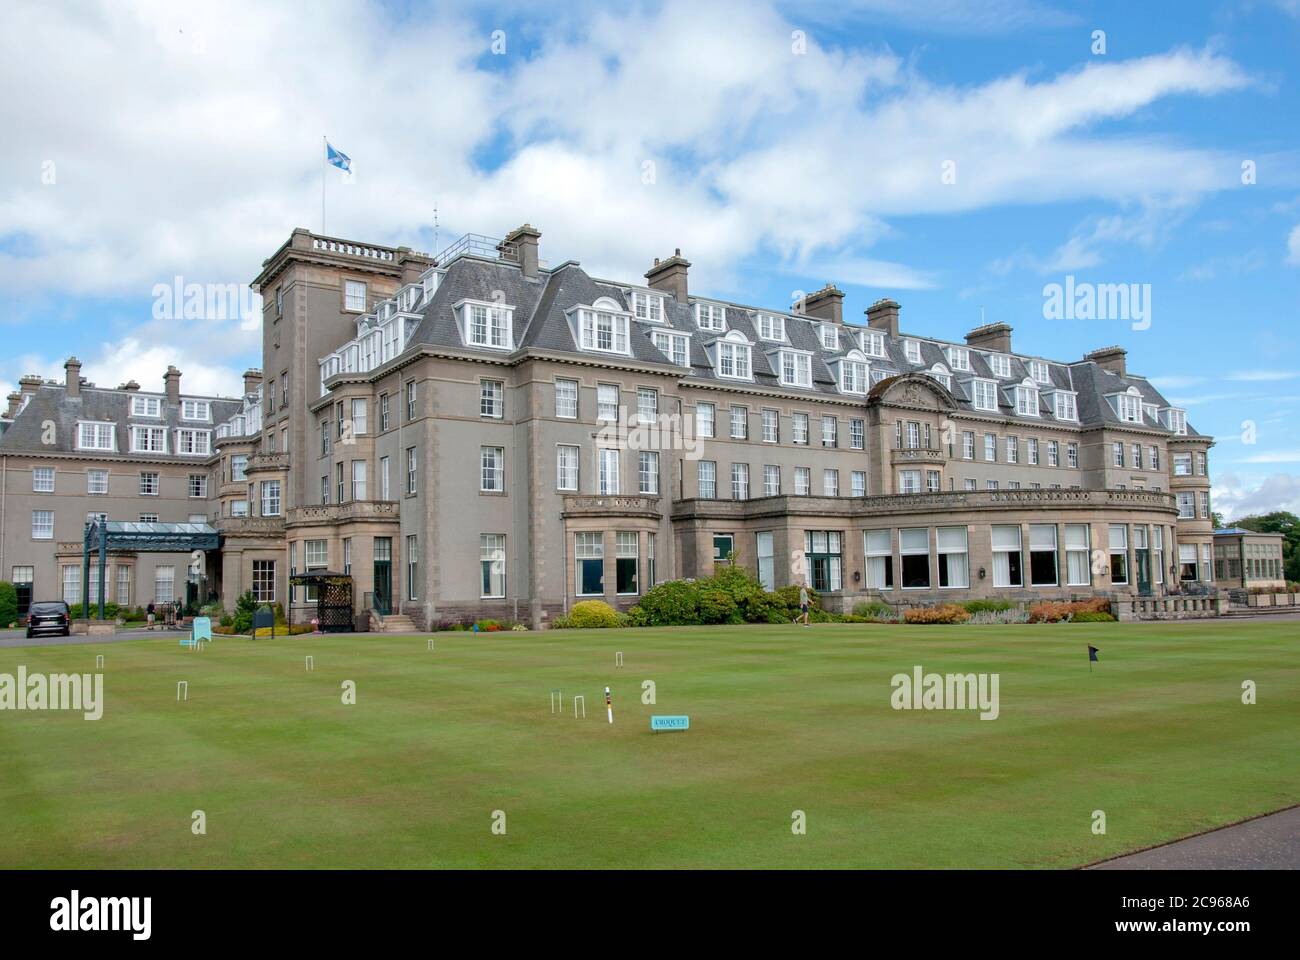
[(957, 155)]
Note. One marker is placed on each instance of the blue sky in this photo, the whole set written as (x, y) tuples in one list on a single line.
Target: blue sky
[(780, 146)]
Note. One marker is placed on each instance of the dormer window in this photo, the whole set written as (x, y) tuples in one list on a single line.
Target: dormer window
[(486, 324), (648, 306), (96, 435), (429, 285), (873, 343), (1127, 405), (796, 368), (603, 330), (146, 407), (1027, 399), (984, 394), (732, 355), (830, 336), (1039, 371), (959, 358), (1064, 405), (674, 346), (1000, 364), (1176, 421), (196, 410), (710, 316), (194, 442), (940, 373), (911, 350), (853, 371), (771, 327)]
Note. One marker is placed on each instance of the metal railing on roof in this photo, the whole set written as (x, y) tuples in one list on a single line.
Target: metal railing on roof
[(479, 245)]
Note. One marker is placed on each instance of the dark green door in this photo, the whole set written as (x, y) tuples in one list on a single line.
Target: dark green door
[(1143, 560), (383, 575)]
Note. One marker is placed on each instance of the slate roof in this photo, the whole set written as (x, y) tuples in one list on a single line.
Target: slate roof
[(541, 322), (51, 403)]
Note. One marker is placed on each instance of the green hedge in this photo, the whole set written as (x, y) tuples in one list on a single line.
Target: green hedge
[(8, 603), (731, 595)]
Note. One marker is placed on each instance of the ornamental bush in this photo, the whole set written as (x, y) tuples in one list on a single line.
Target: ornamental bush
[(1055, 612), (674, 603), (940, 613), (591, 615), (875, 611), (987, 606)]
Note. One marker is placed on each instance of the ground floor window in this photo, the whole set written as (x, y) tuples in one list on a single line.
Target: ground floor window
[(880, 560), (589, 555), (650, 572), (1207, 570), (164, 584), (264, 581), (914, 552), (1118, 553), (1007, 558), (766, 560), (825, 554), (1158, 549), (1042, 554), (724, 545), (71, 584), (23, 577), (627, 561), (492, 566), (412, 567), (123, 585), (1187, 561), (954, 563), (1077, 552)]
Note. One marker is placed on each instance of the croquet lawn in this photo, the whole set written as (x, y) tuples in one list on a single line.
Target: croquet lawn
[(782, 719)]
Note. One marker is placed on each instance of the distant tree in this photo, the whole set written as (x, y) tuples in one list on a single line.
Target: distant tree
[(8, 603), (1217, 519), (1287, 524)]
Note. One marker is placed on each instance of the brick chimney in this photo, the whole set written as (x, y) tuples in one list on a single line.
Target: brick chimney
[(520, 246), (252, 380), (29, 384), (412, 264), (995, 337), (670, 275), (72, 367), (15, 401), (883, 315), (1109, 358), (130, 386), (826, 304), (172, 384)]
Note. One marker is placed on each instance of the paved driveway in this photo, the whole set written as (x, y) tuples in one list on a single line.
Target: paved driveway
[(1267, 843), (18, 638)]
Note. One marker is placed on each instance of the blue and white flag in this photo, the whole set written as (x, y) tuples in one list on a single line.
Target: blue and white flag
[(337, 158)]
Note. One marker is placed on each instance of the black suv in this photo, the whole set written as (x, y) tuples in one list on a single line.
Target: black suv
[(49, 616)]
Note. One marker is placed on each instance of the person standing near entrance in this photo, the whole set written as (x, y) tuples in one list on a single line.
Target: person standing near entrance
[(149, 615)]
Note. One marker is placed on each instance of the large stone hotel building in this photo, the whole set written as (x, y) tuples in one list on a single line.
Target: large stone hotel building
[(482, 434)]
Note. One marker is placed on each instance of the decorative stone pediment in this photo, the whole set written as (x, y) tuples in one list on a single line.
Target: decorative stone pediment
[(914, 391)]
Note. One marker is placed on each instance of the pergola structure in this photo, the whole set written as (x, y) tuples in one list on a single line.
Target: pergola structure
[(333, 598), (104, 535)]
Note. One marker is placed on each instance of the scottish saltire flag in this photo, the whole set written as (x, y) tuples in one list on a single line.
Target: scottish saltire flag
[(337, 158), (1092, 654)]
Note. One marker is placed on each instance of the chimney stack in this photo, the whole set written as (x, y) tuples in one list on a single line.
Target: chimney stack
[(413, 264), (130, 386), (883, 315), (670, 275), (172, 384), (992, 336), (73, 381), (1109, 358), (29, 384), (826, 304), (15, 401), (252, 380), (520, 246)]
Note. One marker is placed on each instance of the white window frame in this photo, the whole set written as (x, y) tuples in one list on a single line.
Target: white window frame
[(796, 368), (771, 326)]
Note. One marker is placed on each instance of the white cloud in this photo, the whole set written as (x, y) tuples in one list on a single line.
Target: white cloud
[(1265, 376), (1234, 499)]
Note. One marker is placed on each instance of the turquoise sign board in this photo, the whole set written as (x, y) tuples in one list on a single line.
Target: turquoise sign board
[(670, 723)]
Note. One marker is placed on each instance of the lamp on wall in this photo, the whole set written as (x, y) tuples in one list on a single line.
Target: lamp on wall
[(857, 575), (982, 574)]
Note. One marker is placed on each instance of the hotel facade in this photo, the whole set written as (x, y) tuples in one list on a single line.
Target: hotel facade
[(481, 434)]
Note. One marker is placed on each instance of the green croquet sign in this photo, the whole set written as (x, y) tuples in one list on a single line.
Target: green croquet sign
[(670, 723)]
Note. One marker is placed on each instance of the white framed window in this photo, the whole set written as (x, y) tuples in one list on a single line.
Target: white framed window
[(1186, 505), (43, 525), (765, 554), (1064, 405), (1039, 371), (1128, 406), (97, 481), (858, 483), (354, 296), (647, 404), (648, 306), (648, 472), (873, 344), (857, 438), (1027, 401), (164, 584), (1042, 555), (487, 325), (914, 553), (566, 467), (1013, 450), (909, 481), (1176, 421), (1000, 364), (589, 560), (853, 376), (830, 431), (739, 423), (148, 439), (603, 331), (1007, 556), (912, 351), (42, 480), (197, 486), (412, 567), (991, 447), (1078, 550), (607, 401), (829, 334), (705, 419), (492, 472), (802, 481), (674, 346), (771, 426), (771, 327), (194, 443), (411, 467), (384, 489), (830, 483), (95, 435), (492, 566), (149, 484), (710, 316), (740, 481), (270, 498), (198, 411), (954, 566), (1200, 464), (1154, 455), (146, 406), (967, 445), (880, 559), (607, 479), (566, 399), (1072, 455), (1117, 453), (958, 358), (491, 399), (359, 478), (799, 428), (796, 368), (706, 478), (734, 360), (984, 394), (771, 480)]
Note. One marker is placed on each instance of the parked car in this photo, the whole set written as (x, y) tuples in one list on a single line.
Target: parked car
[(49, 616)]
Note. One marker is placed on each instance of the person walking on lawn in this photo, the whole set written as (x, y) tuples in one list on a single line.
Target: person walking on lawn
[(803, 605)]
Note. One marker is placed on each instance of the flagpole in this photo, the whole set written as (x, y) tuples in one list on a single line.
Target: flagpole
[(325, 143)]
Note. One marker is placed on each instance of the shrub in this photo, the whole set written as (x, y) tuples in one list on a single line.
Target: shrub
[(999, 616), (674, 603), (488, 626), (8, 603), (874, 611), (987, 606), (592, 614), (940, 613), (1056, 611), (1093, 616)]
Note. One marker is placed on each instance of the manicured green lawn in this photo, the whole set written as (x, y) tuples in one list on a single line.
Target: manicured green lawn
[(782, 719)]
